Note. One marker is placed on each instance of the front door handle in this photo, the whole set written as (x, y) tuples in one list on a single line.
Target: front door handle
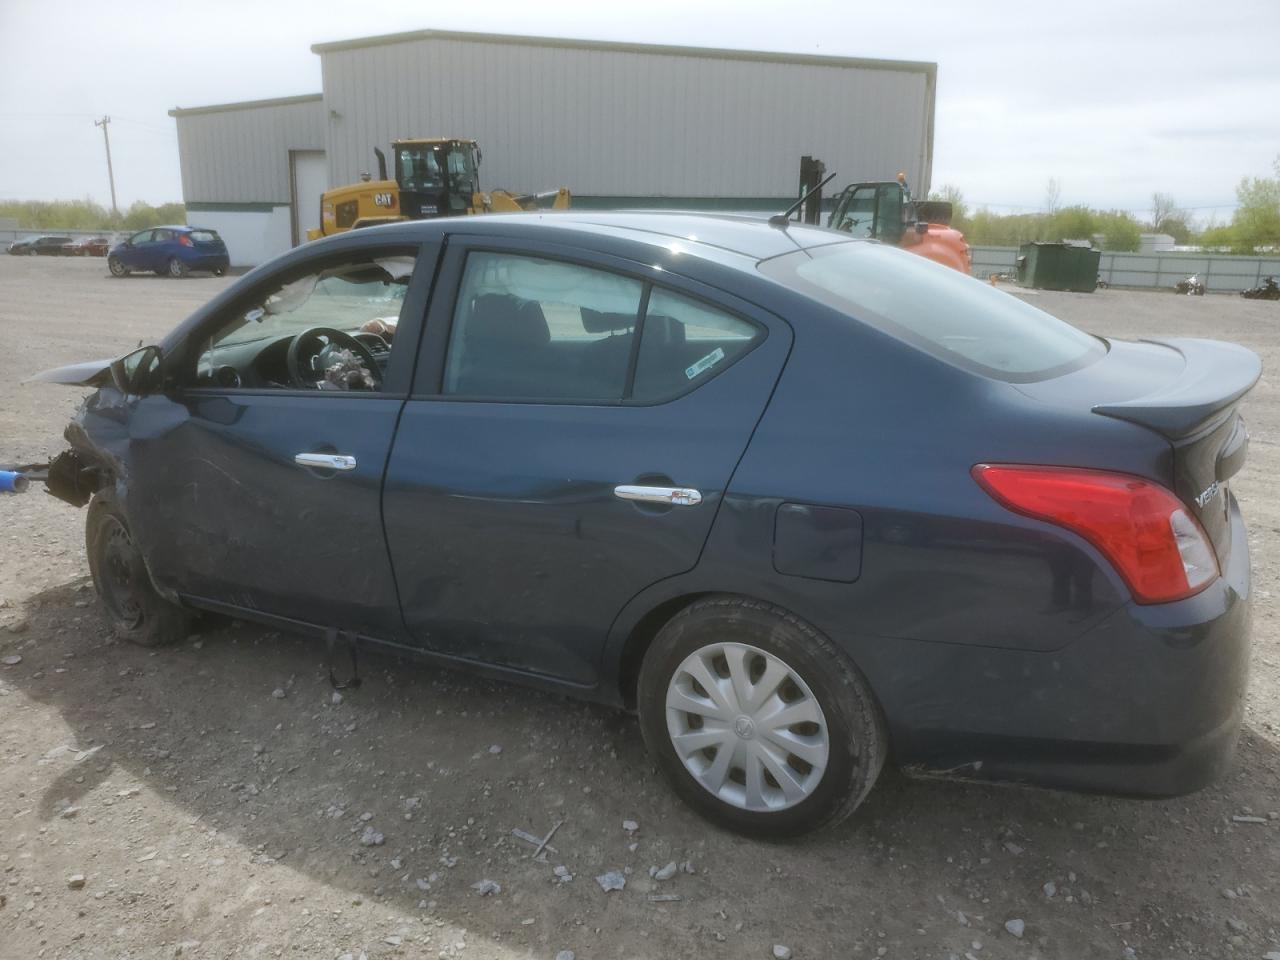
[(671, 496), (325, 461)]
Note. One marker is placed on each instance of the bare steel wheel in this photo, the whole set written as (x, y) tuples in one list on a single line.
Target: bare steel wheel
[(760, 722), (747, 727), (135, 610)]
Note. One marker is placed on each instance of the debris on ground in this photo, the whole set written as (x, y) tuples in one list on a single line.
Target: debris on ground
[(371, 838), (664, 873), (486, 887), (1016, 927), (781, 952), (613, 880), (630, 826)]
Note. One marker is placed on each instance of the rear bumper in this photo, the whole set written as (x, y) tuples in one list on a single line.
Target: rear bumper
[(208, 262), (1147, 703)]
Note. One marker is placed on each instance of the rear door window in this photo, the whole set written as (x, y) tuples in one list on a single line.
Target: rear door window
[(528, 328), (684, 343), (939, 310), (204, 236)]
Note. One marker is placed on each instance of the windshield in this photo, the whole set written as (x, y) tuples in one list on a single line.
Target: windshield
[(939, 310)]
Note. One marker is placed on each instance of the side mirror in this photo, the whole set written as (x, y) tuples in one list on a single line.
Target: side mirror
[(137, 374)]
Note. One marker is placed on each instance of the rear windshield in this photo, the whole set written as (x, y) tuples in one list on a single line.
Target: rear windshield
[(939, 310), (203, 236)]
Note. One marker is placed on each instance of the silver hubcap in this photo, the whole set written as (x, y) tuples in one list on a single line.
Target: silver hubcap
[(747, 727)]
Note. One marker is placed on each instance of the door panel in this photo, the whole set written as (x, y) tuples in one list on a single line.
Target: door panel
[(508, 541), (224, 513)]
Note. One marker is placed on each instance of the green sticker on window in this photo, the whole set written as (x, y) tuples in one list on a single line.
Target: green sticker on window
[(706, 363)]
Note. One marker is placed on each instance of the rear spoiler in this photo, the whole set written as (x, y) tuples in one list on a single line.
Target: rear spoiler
[(1215, 376)]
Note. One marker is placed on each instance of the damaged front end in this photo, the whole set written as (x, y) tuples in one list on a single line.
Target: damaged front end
[(74, 475)]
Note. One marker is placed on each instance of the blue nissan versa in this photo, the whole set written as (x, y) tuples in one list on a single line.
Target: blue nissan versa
[(805, 503), (175, 251)]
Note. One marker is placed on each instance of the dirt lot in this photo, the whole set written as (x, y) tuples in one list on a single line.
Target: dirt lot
[(206, 816)]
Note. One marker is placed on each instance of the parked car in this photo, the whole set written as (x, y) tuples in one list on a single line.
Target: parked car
[(45, 246), (174, 250), (87, 247), (806, 503)]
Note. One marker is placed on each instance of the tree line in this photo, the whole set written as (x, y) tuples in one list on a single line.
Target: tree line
[(88, 215), (1254, 227)]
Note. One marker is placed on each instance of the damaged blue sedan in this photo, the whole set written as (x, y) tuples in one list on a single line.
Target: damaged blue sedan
[(807, 504)]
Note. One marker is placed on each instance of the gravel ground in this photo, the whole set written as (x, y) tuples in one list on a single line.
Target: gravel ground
[(164, 803)]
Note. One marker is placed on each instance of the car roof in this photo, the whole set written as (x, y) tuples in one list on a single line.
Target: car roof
[(716, 234)]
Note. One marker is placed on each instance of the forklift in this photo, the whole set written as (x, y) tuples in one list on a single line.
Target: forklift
[(884, 210)]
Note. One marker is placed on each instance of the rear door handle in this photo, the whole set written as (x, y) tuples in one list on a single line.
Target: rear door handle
[(325, 461), (672, 496)]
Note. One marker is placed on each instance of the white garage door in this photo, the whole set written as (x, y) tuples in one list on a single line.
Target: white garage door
[(310, 178)]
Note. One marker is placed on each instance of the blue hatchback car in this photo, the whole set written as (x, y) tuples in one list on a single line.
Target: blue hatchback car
[(173, 250), (807, 504)]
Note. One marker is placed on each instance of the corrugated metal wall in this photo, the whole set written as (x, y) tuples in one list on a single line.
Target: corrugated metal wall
[(240, 153), (627, 122)]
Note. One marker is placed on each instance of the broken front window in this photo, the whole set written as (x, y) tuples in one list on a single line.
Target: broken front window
[(334, 328)]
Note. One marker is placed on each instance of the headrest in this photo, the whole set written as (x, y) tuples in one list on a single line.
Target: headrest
[(597, 321), (501, 316)]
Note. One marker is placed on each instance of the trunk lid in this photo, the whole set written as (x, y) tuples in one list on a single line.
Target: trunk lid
[(1186, 390)]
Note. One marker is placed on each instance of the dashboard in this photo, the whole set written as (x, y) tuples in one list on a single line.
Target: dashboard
[(259, 364)]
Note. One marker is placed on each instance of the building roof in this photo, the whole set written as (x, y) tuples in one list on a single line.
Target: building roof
[(246, 105), (721, 53)]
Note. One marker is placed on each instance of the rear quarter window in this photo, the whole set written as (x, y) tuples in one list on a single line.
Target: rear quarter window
[(939, 310)]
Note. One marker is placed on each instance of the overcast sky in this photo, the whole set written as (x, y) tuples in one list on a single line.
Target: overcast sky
[(1114, 99)]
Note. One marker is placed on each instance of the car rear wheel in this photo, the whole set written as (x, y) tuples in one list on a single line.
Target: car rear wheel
[(219, 271), (117, 268), (137, 613), (760, 723), (177, 268)]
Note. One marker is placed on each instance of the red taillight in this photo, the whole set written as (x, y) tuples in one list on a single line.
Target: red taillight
[(1159, 549), (185, 240)]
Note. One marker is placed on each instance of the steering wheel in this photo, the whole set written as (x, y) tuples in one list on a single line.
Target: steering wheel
[(314, 345)]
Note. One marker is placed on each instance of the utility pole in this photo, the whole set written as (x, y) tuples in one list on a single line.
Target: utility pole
[(110, 175)]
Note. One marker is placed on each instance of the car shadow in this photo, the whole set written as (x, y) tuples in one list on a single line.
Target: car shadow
[(238, 729)]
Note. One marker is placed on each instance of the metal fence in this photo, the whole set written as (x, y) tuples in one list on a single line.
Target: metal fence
[(1219, 272)]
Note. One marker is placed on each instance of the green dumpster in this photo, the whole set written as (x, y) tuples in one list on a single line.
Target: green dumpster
[(1058, 266)]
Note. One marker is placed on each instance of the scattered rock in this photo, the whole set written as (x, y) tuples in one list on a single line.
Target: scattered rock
[(664, 873), (12, 661), (1271, 955), (371, 838), (495, 749), (68, 813), (1016, 927), (1239, 926), (781, 952), (336, 698), (562, 873), (630, 826), (486, 887), (1229, 893), (565, 955), (613, 880), (278, 693), (1050, 889), (963, 920), (76, 881), (1013, 848), (366, 817)]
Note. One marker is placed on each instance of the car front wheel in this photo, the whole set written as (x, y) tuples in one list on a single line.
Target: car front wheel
[(117, 268), (760, 723), (137, 613)]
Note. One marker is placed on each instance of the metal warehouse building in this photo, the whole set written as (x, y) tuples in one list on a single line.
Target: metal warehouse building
[(621, 125)]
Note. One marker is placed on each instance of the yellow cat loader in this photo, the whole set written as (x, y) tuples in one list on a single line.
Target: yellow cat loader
[(433, 178)]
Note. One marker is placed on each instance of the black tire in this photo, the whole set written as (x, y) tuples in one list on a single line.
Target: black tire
[(858, 742), (176, 268), (117, 268), (219, 271), (135, 610)]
